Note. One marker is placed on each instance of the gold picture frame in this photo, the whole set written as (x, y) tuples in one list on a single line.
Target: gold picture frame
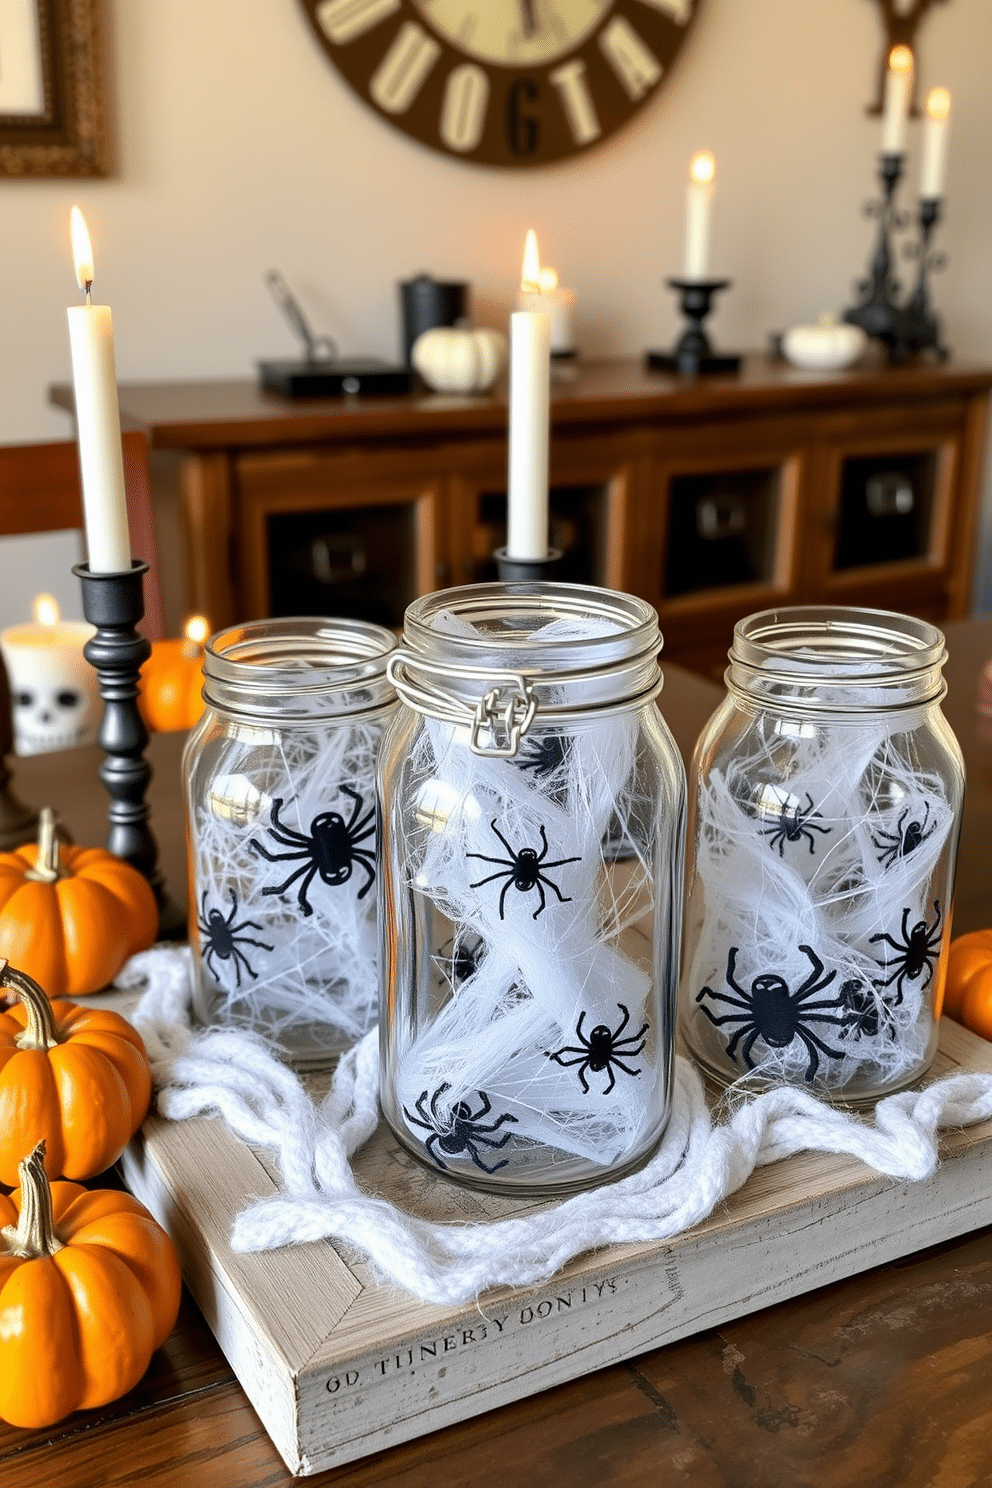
[(53, 118)]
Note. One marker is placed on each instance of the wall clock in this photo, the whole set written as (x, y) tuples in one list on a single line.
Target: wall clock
[(503, 82)]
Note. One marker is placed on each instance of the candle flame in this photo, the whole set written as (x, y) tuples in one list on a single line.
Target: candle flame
[(530, 274), (548, 281), (46, 610), (702, 167), (938, 103), (900, 59), (197, 629), (82, 248)]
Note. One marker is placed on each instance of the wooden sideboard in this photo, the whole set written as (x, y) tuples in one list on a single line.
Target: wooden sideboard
[(711, 498)]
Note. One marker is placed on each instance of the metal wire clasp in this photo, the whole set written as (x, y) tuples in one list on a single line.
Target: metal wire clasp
[(516, 717)]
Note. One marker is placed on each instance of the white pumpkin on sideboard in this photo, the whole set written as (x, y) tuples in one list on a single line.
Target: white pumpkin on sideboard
[(457, 359), (825, 347)]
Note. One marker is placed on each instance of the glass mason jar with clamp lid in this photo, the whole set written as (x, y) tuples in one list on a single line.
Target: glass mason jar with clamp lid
[(280, 794), (826, 794), (531, 804)]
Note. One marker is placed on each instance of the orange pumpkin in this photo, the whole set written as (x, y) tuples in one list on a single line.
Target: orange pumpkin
[(71, 916), (171, 681), (968, 989), (75, 1078), (89, 1288)]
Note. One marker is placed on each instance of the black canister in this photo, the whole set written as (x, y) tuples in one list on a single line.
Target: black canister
[(427, 303)]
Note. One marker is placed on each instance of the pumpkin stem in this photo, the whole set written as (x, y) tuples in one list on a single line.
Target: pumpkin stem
[(47, 868), (40, 1030), (34, 1234)]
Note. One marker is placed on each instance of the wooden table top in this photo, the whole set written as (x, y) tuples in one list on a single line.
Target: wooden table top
[(875, 1381), (239, 413)]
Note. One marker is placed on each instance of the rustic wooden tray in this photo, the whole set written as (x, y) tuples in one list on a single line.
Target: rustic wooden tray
[(339, 1366)]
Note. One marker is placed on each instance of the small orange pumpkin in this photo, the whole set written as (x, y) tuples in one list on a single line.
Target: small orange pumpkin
[(89, 1288), (968, 989), (75, 1078), (71, 916), (171, 681)]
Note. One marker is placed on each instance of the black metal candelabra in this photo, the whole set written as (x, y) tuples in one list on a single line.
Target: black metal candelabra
[(692, 353), (904, 329), (114, 603)]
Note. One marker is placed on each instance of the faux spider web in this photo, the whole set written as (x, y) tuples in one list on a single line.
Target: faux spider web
[(316, 990), (490, 1034), (837, 890)]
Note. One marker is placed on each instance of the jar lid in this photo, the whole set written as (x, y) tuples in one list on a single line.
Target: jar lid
[(298, 668), (835, 658), (501, 657)]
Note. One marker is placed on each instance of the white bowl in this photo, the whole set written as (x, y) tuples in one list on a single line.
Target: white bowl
[(824, 348)]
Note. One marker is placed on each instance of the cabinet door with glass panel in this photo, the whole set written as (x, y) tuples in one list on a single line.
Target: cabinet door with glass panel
[(881, 527), (356, 533), (591, 485)]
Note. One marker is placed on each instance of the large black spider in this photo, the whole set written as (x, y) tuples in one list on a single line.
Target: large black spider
[(601, 1050), (331, 849), (794, 822), (524, 870), (916, 953), (463, 1132), (904, 840), (771, 1012), (222, 938)]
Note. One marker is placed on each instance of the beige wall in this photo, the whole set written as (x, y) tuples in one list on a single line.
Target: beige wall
[(239, 150)]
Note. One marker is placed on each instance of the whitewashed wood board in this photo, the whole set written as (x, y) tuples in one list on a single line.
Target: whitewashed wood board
[(338, 1366)]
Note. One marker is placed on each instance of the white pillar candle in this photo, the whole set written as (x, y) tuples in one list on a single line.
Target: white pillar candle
[(698, 205), (530, 376), (55, 702), (935, 130), (98, 426), (895, 107)]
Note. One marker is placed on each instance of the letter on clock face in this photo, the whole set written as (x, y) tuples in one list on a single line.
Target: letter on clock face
[(576, 100), (401, 73), (463, 115), (635, 64), (344, 20)]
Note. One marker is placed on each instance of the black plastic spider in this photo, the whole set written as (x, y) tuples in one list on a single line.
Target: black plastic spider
[(223, 938), (543, 755), (917, 951), (331, 849), (524, 870), (774, 1014), (601, 1050), (904, 840), (460, 957), (463, 1131), (868, 1014), (794, 822)]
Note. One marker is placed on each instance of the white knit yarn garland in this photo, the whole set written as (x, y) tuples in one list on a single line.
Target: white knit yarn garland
[(817, 856), (234, 1075)]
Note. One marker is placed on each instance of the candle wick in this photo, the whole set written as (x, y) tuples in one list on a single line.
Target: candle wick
[(88, 287)]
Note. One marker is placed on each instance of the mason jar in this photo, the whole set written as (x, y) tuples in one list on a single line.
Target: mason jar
[(531, 804), (826, 796), (279, 778)]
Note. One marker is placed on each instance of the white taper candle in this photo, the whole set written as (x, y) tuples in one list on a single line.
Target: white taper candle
[(98, 427)]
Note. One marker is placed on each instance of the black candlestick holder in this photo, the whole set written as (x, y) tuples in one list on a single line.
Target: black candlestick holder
[(692, 353), (517, 570), (902, 328), (114, 603)]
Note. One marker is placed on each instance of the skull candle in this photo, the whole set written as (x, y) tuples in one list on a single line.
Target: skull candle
[(53, 689)]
